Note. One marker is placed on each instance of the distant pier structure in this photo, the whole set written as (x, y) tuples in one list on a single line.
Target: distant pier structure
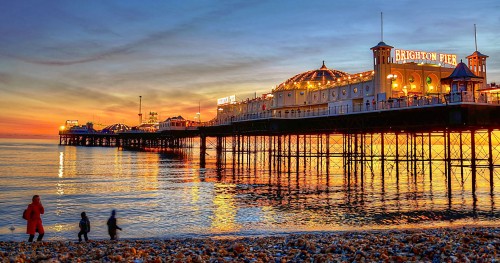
[(415, 109)]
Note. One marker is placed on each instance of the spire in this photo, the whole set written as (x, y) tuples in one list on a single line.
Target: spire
[(476, 53), (381, 44), (323, 67), (140, 110), (475, 36), (381, 27)]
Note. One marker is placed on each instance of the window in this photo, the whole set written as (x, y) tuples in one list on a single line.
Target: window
[(367, 88)]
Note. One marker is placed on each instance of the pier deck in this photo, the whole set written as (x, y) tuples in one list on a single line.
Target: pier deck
[(455, 117)]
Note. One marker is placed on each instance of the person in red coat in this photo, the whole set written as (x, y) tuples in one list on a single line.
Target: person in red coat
[(35, 209)]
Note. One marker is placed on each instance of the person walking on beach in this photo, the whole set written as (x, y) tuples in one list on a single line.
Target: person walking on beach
[(84, 227), (112, 226), (35, 209)]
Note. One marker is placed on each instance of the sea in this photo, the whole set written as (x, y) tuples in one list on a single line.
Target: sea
[(170, 194)]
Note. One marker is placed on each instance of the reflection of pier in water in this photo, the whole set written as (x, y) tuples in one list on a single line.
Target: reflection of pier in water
[(452, 167)]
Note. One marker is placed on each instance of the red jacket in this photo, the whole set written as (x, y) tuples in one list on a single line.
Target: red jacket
[(34, 219)]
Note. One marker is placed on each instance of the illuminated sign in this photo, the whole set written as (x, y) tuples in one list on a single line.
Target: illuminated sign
[(405, 55), (226, 100), (71, 123)]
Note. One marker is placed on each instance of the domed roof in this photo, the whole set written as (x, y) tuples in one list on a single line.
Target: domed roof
[(381, 44), (312, 79), (115, 128)]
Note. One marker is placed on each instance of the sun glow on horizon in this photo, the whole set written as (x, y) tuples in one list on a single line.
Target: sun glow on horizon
[(90, 63)]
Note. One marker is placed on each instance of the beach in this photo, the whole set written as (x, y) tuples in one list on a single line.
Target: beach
[(429, 245)]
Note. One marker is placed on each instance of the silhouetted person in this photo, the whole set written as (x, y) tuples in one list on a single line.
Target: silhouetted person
[(35, 209), (84, 227), (112, 226)]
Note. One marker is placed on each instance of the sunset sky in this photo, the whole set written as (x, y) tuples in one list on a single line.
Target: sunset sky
[(91, 60)]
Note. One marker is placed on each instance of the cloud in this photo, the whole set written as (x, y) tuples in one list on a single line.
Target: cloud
[(74, 61), (146, 41)]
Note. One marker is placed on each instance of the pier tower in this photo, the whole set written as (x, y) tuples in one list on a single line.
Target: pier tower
[(382, 67), (477, 64)]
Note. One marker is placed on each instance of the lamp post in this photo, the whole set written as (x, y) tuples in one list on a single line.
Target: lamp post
[(392, 78), (198, 114)]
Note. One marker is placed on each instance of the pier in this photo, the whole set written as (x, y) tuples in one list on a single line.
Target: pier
[(458, 140), (418, 117)]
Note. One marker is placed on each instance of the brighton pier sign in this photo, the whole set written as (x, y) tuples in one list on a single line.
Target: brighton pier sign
[(441, 58)]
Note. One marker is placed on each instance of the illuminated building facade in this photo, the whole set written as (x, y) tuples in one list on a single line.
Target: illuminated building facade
[(402, 77)]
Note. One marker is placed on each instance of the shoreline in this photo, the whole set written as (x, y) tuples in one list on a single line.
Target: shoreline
[(460, 244)]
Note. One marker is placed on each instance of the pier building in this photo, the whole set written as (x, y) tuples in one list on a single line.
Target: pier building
[(178, 123), (399, 78)]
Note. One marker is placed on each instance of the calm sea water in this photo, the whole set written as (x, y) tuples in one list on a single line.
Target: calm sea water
[(161, 195)]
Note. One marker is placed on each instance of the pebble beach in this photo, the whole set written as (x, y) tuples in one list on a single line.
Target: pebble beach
[(430, 245)]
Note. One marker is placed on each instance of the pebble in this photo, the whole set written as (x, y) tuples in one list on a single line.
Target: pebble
[(430, 245)]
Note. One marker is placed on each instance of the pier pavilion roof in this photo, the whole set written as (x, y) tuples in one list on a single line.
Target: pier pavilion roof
[(317, 78), (462, 73)]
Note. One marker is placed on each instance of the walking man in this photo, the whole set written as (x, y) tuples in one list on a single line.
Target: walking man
[(112, 226)]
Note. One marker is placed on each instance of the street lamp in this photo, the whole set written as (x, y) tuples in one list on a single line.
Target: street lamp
[(392, 78)]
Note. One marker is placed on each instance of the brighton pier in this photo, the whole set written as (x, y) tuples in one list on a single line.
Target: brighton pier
[(394, 114)]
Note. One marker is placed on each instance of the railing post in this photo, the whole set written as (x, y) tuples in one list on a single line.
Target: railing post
[(203, 150), (490, 161), (473, 160)]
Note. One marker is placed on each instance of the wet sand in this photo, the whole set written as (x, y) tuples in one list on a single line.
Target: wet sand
[(430, 245)]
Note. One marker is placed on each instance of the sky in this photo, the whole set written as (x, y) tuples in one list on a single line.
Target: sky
[(91, 60)]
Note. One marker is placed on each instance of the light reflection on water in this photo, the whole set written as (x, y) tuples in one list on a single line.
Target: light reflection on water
[(167, 194)]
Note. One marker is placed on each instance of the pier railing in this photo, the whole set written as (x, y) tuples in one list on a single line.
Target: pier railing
[(356, 108)]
